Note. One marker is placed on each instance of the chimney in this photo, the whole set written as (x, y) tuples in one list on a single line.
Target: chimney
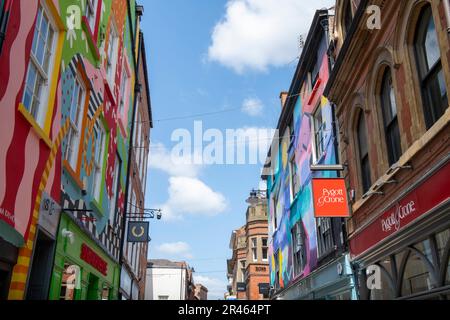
[(283, 98)]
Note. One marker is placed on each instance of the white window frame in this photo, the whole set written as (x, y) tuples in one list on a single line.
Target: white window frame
[(254, 243), (99, 155), (264, 247), (317, 154), (112, 53), (124, 83), (38, 92), (75, 125)]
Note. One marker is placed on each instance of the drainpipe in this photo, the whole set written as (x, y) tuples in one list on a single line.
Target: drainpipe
[(447, 13)]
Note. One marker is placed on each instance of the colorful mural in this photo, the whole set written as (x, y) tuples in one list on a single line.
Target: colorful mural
[(295, 154), (84, 44)]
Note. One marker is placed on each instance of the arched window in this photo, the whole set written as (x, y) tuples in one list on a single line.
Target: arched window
[(389, 110), (428, 58), (361, 132)]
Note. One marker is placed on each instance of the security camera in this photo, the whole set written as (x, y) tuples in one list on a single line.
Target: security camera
[(68, 234)]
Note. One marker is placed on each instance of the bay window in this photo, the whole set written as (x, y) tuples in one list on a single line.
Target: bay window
[(76, 112), (39, 67)]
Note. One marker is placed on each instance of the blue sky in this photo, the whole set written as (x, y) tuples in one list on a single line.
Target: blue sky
[(206, 56)]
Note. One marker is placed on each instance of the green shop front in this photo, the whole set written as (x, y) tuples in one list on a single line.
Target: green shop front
[(82, 269)]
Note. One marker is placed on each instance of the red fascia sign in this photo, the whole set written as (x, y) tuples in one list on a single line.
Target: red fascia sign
[(88, 255), (330, 198), (434, 191)]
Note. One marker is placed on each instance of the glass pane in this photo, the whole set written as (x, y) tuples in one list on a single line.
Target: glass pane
[(431, 43), (36, 30), (416, 277), (29, 86), (41, 45), (48, 51)]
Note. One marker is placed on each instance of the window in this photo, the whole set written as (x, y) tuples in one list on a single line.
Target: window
[(91, 13), (105, 293), (325, 236), (68, 286), (294, 177), (348, 16), (123, 86), (39, 68), (275, 210), (242, 271), (255, 249), (363, 153), (277, 269), (389, 110), (315, 68), (4, 15), (100, 137), (299, 248), (76, 112), (115, 191), (112, 52), (426, 45), (163, 297), (319, 134), (265, 249)]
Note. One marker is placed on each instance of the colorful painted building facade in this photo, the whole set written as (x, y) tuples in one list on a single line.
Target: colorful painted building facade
[(67, 94), (305, 253)]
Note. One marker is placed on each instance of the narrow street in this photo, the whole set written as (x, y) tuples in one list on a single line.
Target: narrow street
[(247, 151)]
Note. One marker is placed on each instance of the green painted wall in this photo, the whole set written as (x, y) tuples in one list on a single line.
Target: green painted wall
[(67, 252)]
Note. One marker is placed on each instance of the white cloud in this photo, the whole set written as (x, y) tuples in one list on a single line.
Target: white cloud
[(160, 158), (216, 287), (252, 106), (192, 196), (175, 249), (256, 34)]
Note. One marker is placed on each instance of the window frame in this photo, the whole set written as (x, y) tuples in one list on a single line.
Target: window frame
[(98, 163), (428, 74), (319, 148), (387, 101), (116, 187), (91, 5), (325, 247), (254, 248), (49, 54), (265, 248), (112, 52), (298, 248), (78, 127), (363, 158)]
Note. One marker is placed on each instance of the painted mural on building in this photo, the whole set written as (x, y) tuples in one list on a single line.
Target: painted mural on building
[(290, 188), (65, 127)]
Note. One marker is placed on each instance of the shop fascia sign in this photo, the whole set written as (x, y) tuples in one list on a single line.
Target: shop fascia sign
[(416, 203), (330, 198), (88, 255)]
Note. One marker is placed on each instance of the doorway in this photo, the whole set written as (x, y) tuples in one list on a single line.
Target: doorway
[(93, 288), (42, 264)]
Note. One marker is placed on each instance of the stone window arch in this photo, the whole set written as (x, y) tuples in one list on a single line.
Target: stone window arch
[(411, 17)]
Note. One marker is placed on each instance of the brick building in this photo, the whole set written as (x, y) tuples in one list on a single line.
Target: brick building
[(390, 87), (248, 269)]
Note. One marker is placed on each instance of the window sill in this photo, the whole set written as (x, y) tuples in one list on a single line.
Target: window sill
[(36, 127), (73, 175)]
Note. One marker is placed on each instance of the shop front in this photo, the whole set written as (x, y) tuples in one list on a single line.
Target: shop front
[(333, 281), (10, 242), (404, 252), (82, 269)]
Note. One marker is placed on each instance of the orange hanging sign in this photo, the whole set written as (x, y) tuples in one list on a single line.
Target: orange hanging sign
[(330, 198)]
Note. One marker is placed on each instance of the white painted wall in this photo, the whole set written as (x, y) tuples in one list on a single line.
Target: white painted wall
[(165, 281)]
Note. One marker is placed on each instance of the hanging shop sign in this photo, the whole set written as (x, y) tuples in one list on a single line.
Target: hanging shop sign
[(330, 198), (431, 193), (91, 257), (241, 286), (138, 231), (49, 215)]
